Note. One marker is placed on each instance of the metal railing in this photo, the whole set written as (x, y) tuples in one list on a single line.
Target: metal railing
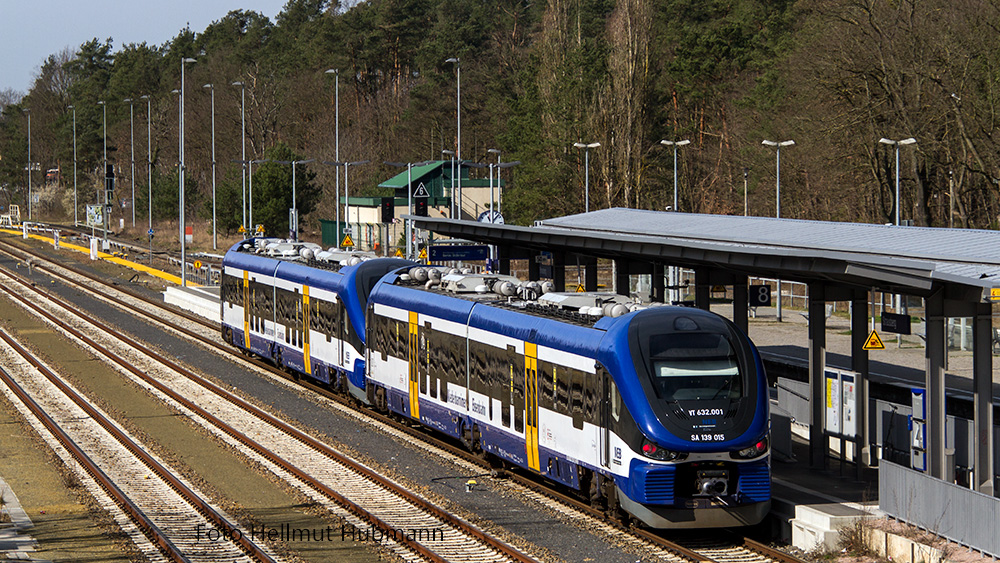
[(961, 515)]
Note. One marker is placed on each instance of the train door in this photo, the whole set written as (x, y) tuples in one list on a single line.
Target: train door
[(531, 403), (306, 360), (246, 309), (414, 359), (605, 389)]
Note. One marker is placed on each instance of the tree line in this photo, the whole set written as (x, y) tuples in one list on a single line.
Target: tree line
[(835, 76)]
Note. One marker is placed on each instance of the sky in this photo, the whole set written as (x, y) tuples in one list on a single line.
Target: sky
[(31, 30)]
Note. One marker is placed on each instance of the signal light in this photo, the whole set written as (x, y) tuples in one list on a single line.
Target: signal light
[(420, 207), (388, 209), (109, 179)]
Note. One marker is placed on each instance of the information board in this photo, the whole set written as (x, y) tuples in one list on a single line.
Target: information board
[(841, 402)]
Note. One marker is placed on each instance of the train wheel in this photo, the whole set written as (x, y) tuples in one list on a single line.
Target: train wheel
[(615, 510), (465, 434), (476, 446), (597, 491)]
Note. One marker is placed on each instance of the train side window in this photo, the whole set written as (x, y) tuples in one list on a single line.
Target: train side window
[(228, 295), (317, 318), (347, 324), (576, 397), (328, 308), (442, 358), (377, 324), (475, 367), (590, 397), (502, 383), (448, 358), (382, 323), (560, 377), (546, 386), (616, 402), (299, 318), (429, 356), (279, 307), (517, 383), (398, 345)]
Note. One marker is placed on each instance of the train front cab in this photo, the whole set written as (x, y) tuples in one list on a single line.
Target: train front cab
[(693, 415)]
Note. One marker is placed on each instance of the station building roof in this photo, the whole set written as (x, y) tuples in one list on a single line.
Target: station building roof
[(912, 260)]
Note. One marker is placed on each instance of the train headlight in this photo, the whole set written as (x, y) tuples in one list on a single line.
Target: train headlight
[(652, 451), (756, 450)]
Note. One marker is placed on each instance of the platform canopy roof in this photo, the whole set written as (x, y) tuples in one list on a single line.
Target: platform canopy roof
[(910, 260)]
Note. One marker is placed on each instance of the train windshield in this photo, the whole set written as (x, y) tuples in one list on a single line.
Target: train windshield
[(694, 366)]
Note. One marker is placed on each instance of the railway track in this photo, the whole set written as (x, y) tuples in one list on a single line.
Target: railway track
[(368, 502), (173, 519), (733, 549)]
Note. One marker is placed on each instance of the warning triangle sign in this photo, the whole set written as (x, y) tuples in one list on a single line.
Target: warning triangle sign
[(399, 253), (347, 242), (874, 342), (579, 289), (421, 191), (423, 254)]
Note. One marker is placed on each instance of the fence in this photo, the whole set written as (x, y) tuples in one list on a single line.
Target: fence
[(950, 511), (205, 275)]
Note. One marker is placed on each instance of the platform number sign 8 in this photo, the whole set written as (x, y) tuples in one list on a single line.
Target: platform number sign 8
[(760, 296)]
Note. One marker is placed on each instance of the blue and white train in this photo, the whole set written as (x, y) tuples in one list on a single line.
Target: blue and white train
[(658, 413)]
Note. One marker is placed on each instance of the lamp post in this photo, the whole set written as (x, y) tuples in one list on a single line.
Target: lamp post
[(76, 217), (215, 245), (336, 128), (180, 182), (27, 111), (586, 172), (777, 195), (293, 219), (896, 144), (777, 177), (243, 128), (458, 117), (451, 155), (496, 152), (131, 142), (105, 211), (675, 144), (347, 204), (149, 167)]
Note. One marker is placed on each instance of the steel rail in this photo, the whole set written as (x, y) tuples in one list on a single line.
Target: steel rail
[(148, 528)]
